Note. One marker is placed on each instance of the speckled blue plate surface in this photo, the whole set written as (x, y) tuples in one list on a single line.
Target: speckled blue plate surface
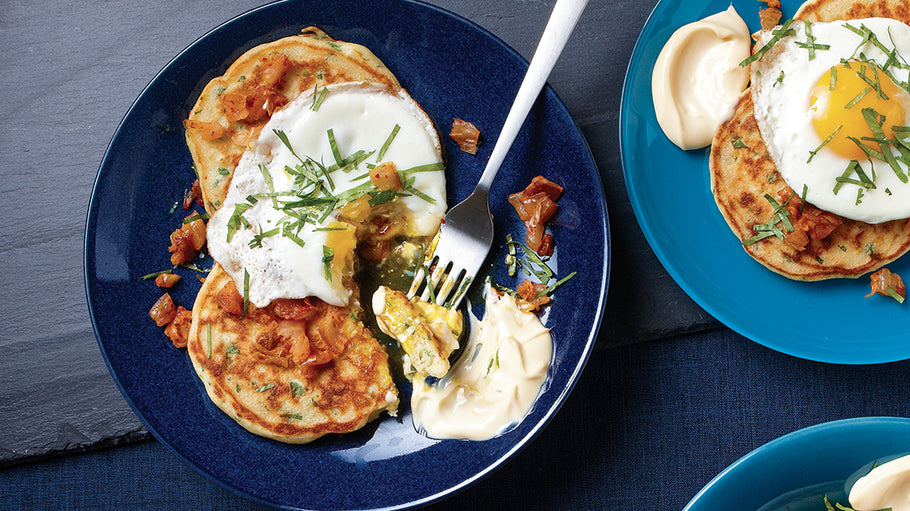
[(671, 196), (452, 68), (797, 470)]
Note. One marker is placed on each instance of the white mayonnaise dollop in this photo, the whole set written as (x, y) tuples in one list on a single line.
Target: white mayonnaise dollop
[(886, 486), (697, 79), (496, 380)]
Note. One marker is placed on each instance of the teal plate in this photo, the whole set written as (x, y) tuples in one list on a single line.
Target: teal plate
[(827, 321), (796, 471)]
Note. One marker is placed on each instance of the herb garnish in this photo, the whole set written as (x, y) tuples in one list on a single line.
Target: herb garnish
[(327, 256), (780, 215), (776, 36), (246, 292), (823, 144), (810, 43)]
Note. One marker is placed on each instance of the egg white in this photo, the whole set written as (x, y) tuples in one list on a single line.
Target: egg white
[(361, 117), (782, 84)]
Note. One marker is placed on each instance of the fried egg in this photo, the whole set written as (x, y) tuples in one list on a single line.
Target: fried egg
[(277, 233), (825, 95)]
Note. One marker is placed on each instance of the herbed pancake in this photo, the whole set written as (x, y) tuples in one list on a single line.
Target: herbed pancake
[(259, 82), (742, 172), (293, 371), (832, 10)]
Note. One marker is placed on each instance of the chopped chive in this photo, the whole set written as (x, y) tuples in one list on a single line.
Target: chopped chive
[(334, 146), (256, 241), (776, 35), (208, 340), (832, 79), (327, 256), (387, 143), (317, 101), (552, 287), (424, 168), (287, 233), (266, 387), (155, 274), (738, 143), (810, 43), (246, 292), (894, 294), (823, 144), (802, 198), (875, 124), (858, 97), (287, 143)]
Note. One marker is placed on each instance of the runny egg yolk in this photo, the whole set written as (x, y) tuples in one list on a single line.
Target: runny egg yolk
[(838, 105)]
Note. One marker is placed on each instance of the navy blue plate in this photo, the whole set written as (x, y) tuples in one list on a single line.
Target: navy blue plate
[(453, 68), (671, 196), (797, 470)]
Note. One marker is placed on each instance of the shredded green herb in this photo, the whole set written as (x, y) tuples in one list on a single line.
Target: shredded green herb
[(246, 292), (327, 256), (776, 35), (387, 143), (825, 142), (810, 43), (317, 100), (155, 274)]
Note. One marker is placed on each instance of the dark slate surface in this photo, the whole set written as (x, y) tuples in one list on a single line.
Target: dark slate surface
[(71, 72)]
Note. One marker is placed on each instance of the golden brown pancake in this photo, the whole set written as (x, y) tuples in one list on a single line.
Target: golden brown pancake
[(743, 172), (272, 72), (269, 373), (832, 10)]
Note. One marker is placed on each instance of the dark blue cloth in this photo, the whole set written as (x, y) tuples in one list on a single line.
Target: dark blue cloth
[(645, 428)]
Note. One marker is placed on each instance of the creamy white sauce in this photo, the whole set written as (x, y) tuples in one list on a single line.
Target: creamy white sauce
[(697, 79), (361, 117), (494, 383), (887, 485)]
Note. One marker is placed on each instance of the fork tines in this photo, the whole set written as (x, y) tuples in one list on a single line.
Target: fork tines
[(444, 278)]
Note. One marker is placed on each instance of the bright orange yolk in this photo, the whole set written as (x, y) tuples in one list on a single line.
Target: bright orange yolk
[(841, 106)]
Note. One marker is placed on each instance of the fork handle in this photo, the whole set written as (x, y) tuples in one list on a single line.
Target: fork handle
[(559, 27)]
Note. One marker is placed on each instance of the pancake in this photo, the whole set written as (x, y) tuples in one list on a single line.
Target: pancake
[(832, 10), (741, 175), (257, 83), (270, 373)]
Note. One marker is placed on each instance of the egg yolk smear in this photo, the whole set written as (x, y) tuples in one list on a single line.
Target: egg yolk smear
[(838, 106)]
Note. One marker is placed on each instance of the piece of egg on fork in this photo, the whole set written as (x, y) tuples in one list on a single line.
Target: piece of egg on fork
[(819, 90), (278, 244)]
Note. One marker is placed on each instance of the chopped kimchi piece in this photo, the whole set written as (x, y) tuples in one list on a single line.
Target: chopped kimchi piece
[(535, 205), (179, 328), (192, 194), (291, 308), (385, 177), (167, 280), (528, 292), (887, 283), (163, 311), (814, 223), (229, 298), (209, 130), (770, 17), (465, 134), (186, 241)]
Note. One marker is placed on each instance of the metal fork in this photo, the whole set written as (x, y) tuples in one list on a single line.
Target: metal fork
[(464, 239)]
